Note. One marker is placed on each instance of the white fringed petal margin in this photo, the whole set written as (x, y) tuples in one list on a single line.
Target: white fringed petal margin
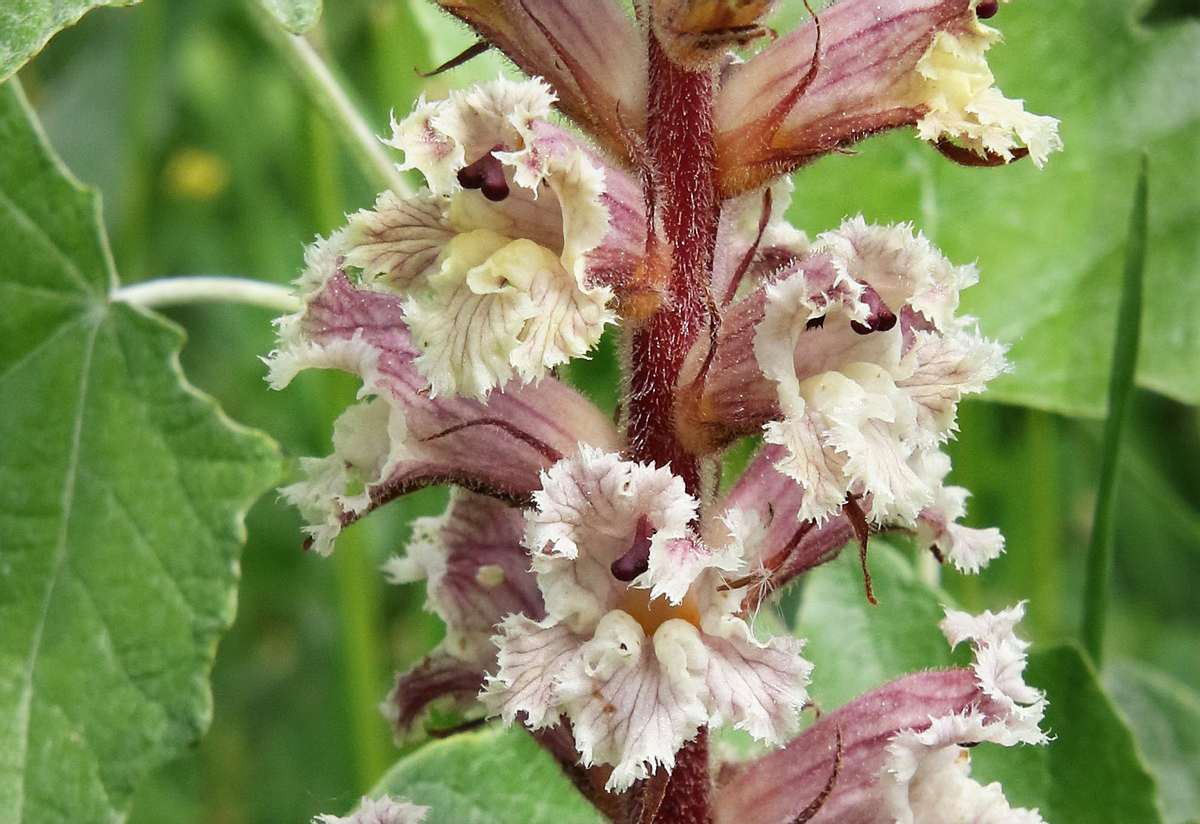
[(963, 105)]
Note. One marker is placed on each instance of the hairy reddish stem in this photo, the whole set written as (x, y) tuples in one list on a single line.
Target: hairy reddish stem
[(683, 213)]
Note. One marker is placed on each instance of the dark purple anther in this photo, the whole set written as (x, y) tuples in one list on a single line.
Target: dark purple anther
[(637, 560), (881, 318), (487, 175), (987, 8)]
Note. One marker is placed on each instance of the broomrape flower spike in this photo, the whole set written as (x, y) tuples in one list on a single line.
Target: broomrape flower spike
[(596, 588)]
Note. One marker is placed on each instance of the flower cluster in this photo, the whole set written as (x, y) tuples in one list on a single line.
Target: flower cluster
[(595, 586)]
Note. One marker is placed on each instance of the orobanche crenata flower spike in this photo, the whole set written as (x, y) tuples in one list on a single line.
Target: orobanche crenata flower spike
[(597, 588)]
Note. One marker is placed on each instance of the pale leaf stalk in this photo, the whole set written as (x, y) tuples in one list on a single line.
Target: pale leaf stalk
[(189, 289), (330, 98)]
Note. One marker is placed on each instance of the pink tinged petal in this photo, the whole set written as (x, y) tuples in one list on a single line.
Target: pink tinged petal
[(439, 679), (878, 65), (397, 243), (385, 810), (475, 569), (633, 704), (499, 447), (531, 663), (591, 53), (789, 545), (755, 686), (772, 116), (587, 516), (895, 740)]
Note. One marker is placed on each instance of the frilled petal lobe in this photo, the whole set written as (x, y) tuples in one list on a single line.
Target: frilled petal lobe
[(591, 53), (589, 513), (398, 438), (385, 810), (900, 751), (879, 65)]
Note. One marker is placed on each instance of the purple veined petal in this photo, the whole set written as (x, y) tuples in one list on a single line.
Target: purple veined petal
[(476, 574), (438, 678), (788, 546), (777, 787), (498, 447), (476, 571), (398, 240), (881, 64), (590, 51)]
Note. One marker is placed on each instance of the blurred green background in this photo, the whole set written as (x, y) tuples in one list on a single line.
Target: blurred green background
[(210, 161)]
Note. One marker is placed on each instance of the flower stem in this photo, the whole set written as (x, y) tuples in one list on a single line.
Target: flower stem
[(179, 291), (683, 214), (327, 94)]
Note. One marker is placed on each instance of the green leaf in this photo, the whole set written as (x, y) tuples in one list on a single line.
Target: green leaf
[(494, 776), (1091, 772), (297, 16), (1165, 719), (1049, 242), (856, 646), (122, 492), (26, 25)]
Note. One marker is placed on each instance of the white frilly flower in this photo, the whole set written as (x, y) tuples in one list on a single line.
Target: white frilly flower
[(869, 361), (643, 643), (493, 258)]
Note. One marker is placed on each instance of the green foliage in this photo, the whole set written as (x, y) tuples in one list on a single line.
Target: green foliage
[(25, 26), (860, 646), (494, 776), (124, 493), (1049, 242), (1165, 718)]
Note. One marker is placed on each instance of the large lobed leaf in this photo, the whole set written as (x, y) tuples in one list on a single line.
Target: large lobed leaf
[(122, 492), (26, 25), (1090, 773), (1049, 242)]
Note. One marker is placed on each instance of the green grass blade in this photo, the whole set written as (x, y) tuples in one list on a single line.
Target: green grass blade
[(1120, 394)]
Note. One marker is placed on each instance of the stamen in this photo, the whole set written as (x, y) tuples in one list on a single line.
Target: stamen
[(987, 9), (881, 318), (487, 175), (637, 560)]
